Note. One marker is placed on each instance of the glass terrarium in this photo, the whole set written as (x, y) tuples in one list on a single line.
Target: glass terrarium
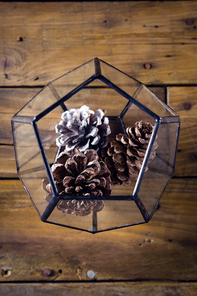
[(95, 149)]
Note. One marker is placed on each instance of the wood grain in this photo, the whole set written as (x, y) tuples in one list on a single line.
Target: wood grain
[(184, 101), (49, 39), (163, 249), (101, 289)]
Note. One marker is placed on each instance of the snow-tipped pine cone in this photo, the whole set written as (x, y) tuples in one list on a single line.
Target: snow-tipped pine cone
[(80, 174), (83, 129), (124, 156)]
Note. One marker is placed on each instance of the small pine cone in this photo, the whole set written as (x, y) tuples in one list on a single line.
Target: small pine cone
[(80, 174), (124, 156), (83, 129)]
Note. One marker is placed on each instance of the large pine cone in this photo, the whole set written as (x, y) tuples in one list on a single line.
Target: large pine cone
[(83, 129), (82, 174), (124, 156)]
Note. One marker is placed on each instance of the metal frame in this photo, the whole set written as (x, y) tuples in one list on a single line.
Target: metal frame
[(131, 100)]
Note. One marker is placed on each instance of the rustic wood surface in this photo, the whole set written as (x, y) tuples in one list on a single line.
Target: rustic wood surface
[(44, 40), (154, 42)]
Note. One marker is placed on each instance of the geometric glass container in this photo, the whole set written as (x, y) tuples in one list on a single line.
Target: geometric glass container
[(125, 101)]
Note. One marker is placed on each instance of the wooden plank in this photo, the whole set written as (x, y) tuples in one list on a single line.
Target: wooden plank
[(12, 99), (184, 101), (104, 289), (49, 39), (163, 249), (7, 161)]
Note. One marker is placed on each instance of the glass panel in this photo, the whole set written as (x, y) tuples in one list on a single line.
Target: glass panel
[(26, 146), (74, 78), (149, 99), (46, 126), (105, 98), (82, 222), (166, 141), (135, 114), (123, 81), (113, 214), (118, 213), (133, 155), (160, 168), (151, 188), (39, 103), (32, 180), (30, 162)]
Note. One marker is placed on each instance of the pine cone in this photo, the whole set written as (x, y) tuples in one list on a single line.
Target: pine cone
[(124, 156), (81, 174), (83, 129)]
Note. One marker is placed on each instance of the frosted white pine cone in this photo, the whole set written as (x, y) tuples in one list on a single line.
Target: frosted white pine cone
[(83, 129)]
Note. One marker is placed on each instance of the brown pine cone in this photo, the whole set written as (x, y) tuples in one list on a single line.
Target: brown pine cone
[(80, 174), (124, 156), (83, 129)]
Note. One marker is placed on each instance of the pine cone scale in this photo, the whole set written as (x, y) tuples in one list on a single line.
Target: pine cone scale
[(80, 180), (118, 148), (91, 155), (81, 160), (58, 171), (71, 167), (96, 181), (70, 190), (68, 181)]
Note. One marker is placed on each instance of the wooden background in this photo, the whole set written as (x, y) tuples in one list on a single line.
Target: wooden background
[(41, 41)]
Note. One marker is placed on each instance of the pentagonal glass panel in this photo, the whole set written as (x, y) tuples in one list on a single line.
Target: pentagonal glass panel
[(91, 97), (120, 79), (149, 100)]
